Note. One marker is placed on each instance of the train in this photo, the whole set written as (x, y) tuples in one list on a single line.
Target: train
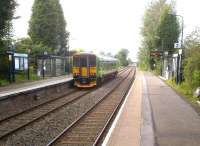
[(90, 70)]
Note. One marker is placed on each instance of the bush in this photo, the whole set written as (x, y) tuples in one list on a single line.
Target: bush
[(3, 82), (4, 66), (192, 73), (192, 59)]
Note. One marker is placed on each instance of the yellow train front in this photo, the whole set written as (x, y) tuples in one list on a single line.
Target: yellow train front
[(84, 70), (90, 70)]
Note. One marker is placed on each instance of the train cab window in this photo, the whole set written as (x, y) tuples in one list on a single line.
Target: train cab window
[(76, 61), (92, 61), (83, 61)]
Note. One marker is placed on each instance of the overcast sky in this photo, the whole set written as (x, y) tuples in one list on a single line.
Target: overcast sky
[(106, 25)]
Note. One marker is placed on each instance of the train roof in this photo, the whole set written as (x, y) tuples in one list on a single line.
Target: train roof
[(101, 57), (106, 58)]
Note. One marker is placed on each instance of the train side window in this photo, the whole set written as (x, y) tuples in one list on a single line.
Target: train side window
[(92, 60), (76, 61)]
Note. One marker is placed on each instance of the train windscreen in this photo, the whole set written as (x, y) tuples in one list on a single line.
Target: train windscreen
[(76, 61), (92, 61), (83, 61)]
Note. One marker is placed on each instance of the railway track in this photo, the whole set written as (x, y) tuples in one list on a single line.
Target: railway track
[(18, 121), (89, 128)]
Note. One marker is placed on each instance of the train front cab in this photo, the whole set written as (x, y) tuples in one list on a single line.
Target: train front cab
[(84, 70)]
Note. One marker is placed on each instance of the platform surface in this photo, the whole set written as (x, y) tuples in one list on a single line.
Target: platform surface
[(155, 115), (175, 122), (127, 130), (17, 88)]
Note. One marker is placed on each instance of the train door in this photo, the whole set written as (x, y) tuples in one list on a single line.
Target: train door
[(92, 66), (76, 66), (84, 65)]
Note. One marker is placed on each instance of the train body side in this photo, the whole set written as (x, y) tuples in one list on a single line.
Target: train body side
[(106, 67)]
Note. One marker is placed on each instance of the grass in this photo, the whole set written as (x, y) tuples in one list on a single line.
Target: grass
[(21, 77), (185, 91), (4, 82)]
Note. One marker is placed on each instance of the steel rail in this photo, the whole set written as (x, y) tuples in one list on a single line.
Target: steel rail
[(97, 141), (84, 114), (7, 133)]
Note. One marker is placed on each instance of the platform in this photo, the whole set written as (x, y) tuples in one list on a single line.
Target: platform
[(154, 115), (125, 130), (23, 87)]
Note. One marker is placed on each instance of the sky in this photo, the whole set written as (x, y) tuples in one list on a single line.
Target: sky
[(106, 25)]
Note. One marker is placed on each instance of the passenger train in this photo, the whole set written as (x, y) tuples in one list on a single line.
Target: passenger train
[(90, 70)]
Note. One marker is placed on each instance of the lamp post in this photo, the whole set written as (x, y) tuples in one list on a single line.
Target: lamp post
[(28, 60), (179, 78)]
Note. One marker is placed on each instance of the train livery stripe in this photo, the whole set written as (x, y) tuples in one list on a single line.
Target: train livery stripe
[(84, 71)]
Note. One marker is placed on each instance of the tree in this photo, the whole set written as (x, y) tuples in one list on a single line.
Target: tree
[(168, 30), (159, 31), (192, 59), (23, 45), (122, 55), (48, 27), (7, 9)]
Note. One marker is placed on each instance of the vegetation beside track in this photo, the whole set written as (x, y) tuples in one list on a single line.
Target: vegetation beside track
[(186, 92), (21, 78)]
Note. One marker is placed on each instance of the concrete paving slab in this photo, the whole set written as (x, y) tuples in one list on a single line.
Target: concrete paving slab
[(176, 122), (17, 88), (127, 129)]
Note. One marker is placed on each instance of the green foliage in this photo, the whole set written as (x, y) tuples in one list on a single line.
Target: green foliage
[(26, 45), (4, 67), (192, 59), (129, 61), (47, 26), (184, 89), (79, 50), (3, 82), (159, 31), (122, 55), (168, 30), (7, 9), (22, 77), (143, 57)]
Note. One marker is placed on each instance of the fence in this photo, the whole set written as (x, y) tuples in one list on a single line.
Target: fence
[(16, 66)]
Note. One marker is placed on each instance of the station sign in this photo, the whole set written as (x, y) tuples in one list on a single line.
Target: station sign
[(177, 45), (155, 53)]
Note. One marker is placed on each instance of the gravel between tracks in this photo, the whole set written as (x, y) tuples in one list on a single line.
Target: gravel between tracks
[(86, 130), (24, 101), (41, 132)]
